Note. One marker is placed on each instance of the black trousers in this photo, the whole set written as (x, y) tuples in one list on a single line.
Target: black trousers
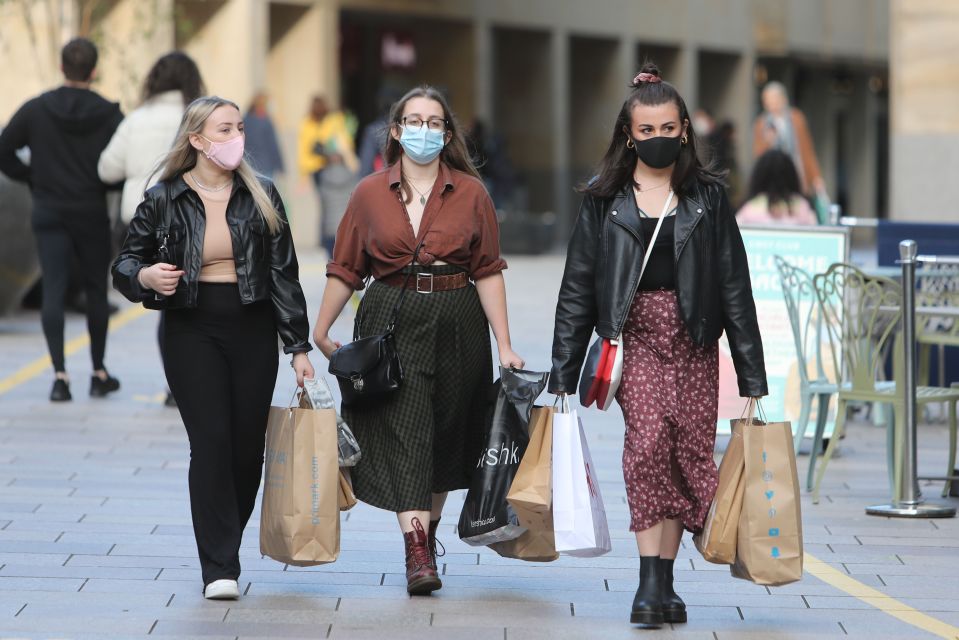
[(60, 237), (221, 364)]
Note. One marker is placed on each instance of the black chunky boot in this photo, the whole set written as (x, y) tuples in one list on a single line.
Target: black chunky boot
[(647, 605), (674, 609)]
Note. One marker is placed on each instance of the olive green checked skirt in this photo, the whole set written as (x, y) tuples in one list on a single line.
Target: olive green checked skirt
[(425, 437)]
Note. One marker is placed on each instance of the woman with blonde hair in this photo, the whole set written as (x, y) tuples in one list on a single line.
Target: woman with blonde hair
[(210, 245)]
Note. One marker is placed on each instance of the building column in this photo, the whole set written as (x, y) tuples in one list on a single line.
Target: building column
[(688, 80), (559, 99), (924, 127), (626, 59), (483, 74)]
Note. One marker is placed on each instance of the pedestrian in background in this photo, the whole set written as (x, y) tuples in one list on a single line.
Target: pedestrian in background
[(144, 138), (774, 193), (783, 127), (429, 214), (327, 156), (262, 145), (695, 286), (210, 244), (373, 137), (66, 129)]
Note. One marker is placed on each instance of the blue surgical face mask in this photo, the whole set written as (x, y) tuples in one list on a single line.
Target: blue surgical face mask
[(421, 145)]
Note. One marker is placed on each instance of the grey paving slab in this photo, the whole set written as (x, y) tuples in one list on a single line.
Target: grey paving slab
[(94, 508)]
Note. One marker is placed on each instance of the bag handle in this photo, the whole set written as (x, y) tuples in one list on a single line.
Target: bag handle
[(391, 327), (749, 412)]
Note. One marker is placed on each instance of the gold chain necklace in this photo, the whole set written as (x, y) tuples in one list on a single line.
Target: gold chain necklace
[(210, 189), (639, 187)]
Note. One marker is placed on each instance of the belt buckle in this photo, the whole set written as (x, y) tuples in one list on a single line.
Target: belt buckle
[(420, 277)]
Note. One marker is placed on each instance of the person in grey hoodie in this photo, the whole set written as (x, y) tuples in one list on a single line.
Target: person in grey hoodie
[(66, 129)]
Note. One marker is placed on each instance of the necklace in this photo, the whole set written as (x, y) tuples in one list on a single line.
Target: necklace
[(639, 187), (210, 189), (422, 194)]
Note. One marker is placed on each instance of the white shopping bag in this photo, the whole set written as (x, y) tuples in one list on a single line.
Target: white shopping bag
[(579, 517)]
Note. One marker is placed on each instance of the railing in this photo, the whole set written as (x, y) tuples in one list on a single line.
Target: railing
[(910, 503)]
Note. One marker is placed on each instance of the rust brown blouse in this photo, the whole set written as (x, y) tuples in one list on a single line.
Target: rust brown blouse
[(376, 238)]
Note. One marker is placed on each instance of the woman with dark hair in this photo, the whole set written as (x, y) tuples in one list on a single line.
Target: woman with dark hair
[(145, 136), (774, 193), (426, 213), (668, 317)]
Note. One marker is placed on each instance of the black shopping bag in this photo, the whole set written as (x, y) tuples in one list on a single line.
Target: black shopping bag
[(487, 517)]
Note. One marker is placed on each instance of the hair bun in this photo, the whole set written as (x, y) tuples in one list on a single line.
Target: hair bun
[(648, 73)]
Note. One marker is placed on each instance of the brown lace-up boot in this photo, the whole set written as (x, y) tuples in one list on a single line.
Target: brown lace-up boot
[(421, 576)]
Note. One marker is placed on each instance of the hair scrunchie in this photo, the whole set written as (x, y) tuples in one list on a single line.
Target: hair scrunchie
[(646, 77)]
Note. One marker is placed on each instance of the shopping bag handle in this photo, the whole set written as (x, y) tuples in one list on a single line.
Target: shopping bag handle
[(562, 399), (749, 411)]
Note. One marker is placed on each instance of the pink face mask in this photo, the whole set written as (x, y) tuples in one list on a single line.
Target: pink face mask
[(226, 155)]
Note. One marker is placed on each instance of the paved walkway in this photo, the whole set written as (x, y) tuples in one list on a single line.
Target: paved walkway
[(96, 542)]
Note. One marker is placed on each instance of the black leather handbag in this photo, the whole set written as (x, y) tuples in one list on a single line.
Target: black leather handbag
[(368, 369)]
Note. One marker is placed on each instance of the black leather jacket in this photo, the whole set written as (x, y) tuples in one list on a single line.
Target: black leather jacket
[(712, 282), (266, 267)]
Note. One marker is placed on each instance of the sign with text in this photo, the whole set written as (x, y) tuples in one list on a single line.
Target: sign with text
[(812, 249)]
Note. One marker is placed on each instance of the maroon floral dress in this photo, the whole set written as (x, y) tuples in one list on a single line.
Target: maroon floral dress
[(669, 395)]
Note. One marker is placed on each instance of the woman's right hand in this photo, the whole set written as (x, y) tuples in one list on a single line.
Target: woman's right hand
[(161, 277), (325, 344)]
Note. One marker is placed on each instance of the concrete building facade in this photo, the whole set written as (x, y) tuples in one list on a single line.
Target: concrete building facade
[(548, 76)]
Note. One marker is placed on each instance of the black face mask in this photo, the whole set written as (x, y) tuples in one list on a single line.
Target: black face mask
[(658, 153)]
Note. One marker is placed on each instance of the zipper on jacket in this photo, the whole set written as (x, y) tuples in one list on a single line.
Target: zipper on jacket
[(702, 288)]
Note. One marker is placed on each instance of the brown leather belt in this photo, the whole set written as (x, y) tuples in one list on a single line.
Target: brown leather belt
[(428, 282)]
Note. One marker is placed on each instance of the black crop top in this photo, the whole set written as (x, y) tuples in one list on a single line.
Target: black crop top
[(660, 270)]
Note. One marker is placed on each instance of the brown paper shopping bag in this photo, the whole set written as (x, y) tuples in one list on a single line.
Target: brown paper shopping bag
[(717, 541), (300, 517), (769, 548), (530, 495), (345, 497)]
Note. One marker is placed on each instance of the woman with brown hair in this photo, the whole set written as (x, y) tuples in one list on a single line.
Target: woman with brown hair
[(426, 213), (654, 202), (210, 245)]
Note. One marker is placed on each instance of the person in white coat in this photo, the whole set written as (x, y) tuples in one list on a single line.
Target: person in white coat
[(145, 136)]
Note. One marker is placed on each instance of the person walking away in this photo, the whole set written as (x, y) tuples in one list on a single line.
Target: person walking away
[(326, 155), (66, 129), (211, 245), (429, 215), (373, 136), (262, 145), (774, 194), (783, 127), (695, 286), (145, 136)]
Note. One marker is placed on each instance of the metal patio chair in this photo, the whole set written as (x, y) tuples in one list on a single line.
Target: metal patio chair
[(860, 314)]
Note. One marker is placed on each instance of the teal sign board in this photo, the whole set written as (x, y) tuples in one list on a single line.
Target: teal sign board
[(812, 249)]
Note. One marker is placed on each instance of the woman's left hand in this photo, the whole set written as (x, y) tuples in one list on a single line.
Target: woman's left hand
[(510, 359), (303, 368)]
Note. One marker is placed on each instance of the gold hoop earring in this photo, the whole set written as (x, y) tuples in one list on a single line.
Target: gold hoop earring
[(629, 143), (685, 139)]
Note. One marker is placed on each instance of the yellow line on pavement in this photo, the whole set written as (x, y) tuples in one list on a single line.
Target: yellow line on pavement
[(881, 601), (38, 366)]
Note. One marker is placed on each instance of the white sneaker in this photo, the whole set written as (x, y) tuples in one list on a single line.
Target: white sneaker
[(222, 590)]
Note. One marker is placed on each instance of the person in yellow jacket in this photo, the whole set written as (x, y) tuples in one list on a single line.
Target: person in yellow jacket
[(326, 153)]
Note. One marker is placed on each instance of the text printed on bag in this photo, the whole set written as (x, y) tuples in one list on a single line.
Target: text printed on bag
[(773, 531), (506, 453), (315, 492)]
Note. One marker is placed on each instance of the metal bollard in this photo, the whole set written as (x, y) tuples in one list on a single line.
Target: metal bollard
[(910, 503)]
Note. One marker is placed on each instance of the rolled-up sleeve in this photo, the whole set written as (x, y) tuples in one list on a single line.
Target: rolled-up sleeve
[(485, 259), (351, 262)]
